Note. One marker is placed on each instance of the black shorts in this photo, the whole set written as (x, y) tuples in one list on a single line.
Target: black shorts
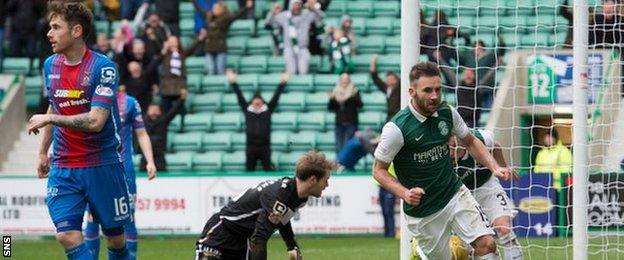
[(219, 242)]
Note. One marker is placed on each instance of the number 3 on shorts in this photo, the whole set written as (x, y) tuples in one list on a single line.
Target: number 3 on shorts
[(501, 196), (121, 206)]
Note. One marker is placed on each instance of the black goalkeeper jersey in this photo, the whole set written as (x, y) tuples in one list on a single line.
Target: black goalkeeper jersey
[(258, 211)]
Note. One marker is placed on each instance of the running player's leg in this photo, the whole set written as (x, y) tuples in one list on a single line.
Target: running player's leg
[(92, 236), (498, 207), (472, 226), (432, 233), (109, 203), (66, 205)]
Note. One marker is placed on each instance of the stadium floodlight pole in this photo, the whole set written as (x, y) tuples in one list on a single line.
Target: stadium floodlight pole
[(410, 52), (579, 138)]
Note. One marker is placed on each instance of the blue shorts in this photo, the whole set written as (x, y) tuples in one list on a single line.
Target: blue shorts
[(102, 188)]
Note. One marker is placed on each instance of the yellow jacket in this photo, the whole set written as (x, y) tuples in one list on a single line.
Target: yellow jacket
[(556, 160)]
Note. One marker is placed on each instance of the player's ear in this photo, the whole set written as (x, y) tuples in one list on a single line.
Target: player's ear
[(76, 31)]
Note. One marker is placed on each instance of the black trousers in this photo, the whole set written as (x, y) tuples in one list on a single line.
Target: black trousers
[(217, 242), (255, 153)]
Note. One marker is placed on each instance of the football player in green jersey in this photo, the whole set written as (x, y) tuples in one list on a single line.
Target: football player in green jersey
[(436, 201)]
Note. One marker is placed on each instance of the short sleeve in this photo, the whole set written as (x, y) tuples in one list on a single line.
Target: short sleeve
[(106, 80), (460, 129), (45, 75), (488, 138), (390, 143), (137, 116)]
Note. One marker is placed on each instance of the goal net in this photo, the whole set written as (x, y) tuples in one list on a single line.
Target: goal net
[(508, 67)]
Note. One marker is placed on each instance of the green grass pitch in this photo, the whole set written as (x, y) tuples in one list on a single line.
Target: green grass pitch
[(340, 248)]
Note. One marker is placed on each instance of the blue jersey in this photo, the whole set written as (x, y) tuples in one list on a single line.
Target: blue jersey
[(131, 119), (75, 89)]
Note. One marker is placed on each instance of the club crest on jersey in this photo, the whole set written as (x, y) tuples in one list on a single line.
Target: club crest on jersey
[(108, 75), (104, 91), (443, 128)]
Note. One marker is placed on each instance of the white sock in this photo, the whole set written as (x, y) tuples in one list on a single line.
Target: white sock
[(490, 256), (510, 246)]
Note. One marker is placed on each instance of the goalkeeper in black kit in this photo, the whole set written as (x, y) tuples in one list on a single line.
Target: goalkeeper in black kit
[(241, 229)]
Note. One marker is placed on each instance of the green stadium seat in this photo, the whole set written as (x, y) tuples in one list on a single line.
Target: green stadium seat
[(242, 28), (218, 141), (136, 161), (175, 125), (260, 46), (288, 161), (32, 101), (279, 141), (232, 6), (544, 20), (210, 161), (516, 22), (361, 81), (194, 82), (179, 161), (389, 62), (214, 83), (284, 121), (209, 102), (239, 141), (330, 120), (198, 122), (374, 101), (229, 102), (359, 25), (465, 22), (393, 44), (292, 101), (326, 82), (182, 142), (261, 30), (300, 83), (371, 119), (186, 10), (359, 8), (247, 82), (361, 63), (317, 101), (379, 26), (386, 8), (261, 9), (195, 64), (396, 26), (102, 27), (315, 63), (186, 27), (233, 161), (253, 64), (326, 141), (269, 82), (229, 121), (232, 62), (336, 9), (237, 45), (302, 141), (12, 65), (374, 44), (33, 85), (275, 64), (311, 121)]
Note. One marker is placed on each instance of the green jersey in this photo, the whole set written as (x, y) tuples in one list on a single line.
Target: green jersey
[(473, 174), (418, 147)]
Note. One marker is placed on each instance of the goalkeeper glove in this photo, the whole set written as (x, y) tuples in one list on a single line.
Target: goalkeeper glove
[(295, 254)]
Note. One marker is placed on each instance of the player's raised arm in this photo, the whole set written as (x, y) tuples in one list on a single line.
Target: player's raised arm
[(390, 143)]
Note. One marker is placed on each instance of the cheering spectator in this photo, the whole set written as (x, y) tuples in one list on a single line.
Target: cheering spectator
[(605, 29), (169, 12), (248, 13), (24, 16), (102, 45), (468, 101), (258, 121), (340, 50), (345, 101), (565, 10), (156, 124), (129, 8), (205, 5), (173, 74), (554, 158), (154, 33), (218, 23), (295, 24), (361, 144), (136, 53), (346, 25), (391, 88), (438, 39), (138, 84)]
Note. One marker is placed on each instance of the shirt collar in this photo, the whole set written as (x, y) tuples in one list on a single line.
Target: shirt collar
[(418, 116)]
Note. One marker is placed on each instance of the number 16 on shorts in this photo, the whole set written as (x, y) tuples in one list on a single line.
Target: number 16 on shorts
[(121, 206)]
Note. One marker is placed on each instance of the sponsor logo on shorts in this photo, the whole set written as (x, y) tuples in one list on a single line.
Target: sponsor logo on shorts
[(535, 205)]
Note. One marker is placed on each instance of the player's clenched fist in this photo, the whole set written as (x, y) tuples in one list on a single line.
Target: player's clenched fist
[(413, 196), (295, 254), (505, 173)]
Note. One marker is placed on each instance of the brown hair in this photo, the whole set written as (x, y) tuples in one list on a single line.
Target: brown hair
[(427, 69), (75, 13), (313, 163)]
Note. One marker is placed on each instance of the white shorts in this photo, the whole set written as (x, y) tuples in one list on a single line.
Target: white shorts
[(493, 200), (462, 215)]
